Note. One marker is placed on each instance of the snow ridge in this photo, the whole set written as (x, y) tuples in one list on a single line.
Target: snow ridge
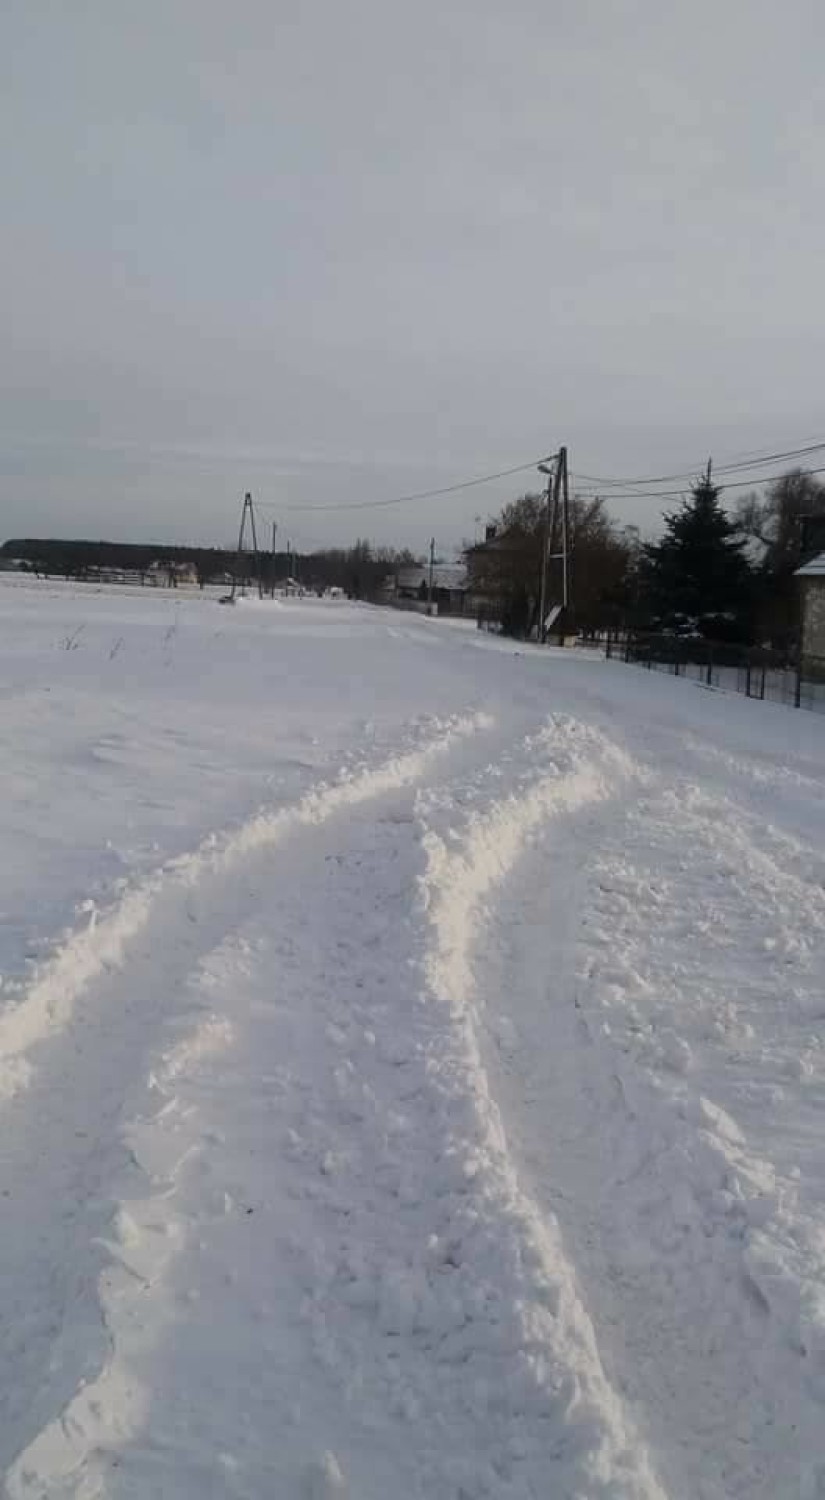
[(67, 1458), (522, 1297), (102, 946)]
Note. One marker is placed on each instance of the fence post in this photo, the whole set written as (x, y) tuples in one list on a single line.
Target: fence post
[(797, 697), (748, 675), (762, 686), (709, 676)]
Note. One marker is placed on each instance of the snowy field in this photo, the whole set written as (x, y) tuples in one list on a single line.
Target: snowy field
[(412, 1065)]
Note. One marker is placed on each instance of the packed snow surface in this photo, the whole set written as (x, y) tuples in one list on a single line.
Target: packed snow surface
[(412, 1065)]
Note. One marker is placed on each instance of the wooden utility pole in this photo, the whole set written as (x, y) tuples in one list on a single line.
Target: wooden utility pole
[(430, 583)]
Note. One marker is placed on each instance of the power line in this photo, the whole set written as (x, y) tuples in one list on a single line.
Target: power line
[(741, 484), (619, 489), (727, 468), (447, 489), (690, 473)]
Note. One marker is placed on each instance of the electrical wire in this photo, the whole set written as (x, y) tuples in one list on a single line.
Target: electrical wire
[(586, 485), (447, 489), (741, 484), (731, 467)]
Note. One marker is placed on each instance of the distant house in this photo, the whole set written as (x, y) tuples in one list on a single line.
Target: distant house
[(812, 590), (491, 562), (170, 574), (505, 589), (450, 587), (497, 570), (96, 574)]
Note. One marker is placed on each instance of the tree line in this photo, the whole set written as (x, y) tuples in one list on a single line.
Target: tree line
[(358, 570), (723, 576)]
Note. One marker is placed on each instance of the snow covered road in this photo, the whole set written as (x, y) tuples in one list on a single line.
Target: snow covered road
[(411, 1065)]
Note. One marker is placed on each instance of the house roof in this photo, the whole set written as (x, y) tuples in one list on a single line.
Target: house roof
[(445, 576), (813, 568)]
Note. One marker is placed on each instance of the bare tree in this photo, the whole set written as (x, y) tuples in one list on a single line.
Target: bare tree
[(506, 570), (773, 523)]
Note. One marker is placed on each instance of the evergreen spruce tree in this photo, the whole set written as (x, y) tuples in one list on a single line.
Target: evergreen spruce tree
[(698, 579)]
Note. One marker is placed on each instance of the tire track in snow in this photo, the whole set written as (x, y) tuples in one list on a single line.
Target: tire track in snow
[(622, 952), (434, 1300), (68, 1459), (724, 1030), (608, 1456), (102, 948), (746, 786), (765, 771), (93, 1017)]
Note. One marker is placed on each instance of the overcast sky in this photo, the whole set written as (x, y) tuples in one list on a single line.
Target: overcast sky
[(338, 250)]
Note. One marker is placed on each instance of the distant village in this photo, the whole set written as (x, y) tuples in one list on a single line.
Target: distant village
[(751, 580)]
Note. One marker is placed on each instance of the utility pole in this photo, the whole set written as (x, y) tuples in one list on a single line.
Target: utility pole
[(247, 510), (565, 531), (552, 468), (272, 578), (430, 584), (545, 548), (556, 505), (255, 553)]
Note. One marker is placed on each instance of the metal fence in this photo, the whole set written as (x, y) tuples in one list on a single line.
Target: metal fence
[(753, 670)]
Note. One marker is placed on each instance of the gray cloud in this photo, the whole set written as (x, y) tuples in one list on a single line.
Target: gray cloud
[(340, 252)]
